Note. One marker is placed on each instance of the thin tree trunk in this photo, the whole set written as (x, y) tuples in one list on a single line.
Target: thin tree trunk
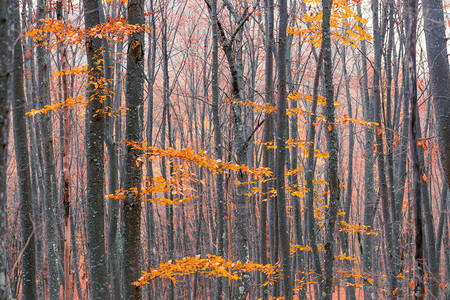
[(220, 195), (51, 244), (310, 171), (281, 153), (411, 21), (386, 209), (268, 159), (152, 243), (66, 175), (370, 202), (350, 290)]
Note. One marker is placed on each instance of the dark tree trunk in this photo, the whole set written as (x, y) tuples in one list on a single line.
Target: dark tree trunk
[(310, 171), (220, 195), (51, 203), (94, 141), (386, 208), (411, 21), (268, 159), (152, 242), (370, 202), (333, 150), (281, 153), (350, 290), (23, 168), (6, 55), (436, 44), (133, 173), (65, 165)]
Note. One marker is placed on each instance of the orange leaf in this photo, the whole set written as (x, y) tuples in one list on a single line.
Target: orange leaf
[(379, 131), (424, 177), (411, 284), (329, 127), (394, 291), (374, 148)]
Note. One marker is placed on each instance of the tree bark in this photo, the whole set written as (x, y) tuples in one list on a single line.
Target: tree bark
[(94, 157), (51, 244), (220, 195), (333, 150), (411, 21), (23, 168), (268, 158), (133, 173), (281, 153), (386, 208), (310, 171), (436, 45), (66, 175), (6, 55)]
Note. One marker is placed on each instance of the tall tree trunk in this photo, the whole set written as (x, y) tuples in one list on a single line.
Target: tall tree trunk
[(133, 173), (94, 157), (166, 121), (152, 243), (436, 44), (333, 150), (66, 175), (220, 195), (281, 153), (6, 55), (268, 159), (386, 208), (350, 290), (411, 21), (23, 168), (240, 146), (51, 244), (112, 141), (310, 171), (370, 202), (113, 176)]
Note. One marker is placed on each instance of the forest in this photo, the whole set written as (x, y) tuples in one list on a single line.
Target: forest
[(224, 149)]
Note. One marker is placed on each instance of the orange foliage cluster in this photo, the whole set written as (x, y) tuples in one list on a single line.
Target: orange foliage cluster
[(212, 265), (345, 24), (179, 182), (115, 30), (198, 158), (68, 102), (265, 107)]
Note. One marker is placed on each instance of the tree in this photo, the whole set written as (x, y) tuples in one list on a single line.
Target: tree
[(281, 152), (411, 20), (46, 134), (95, 93), (436, 45), (6, 54), (65, 163), (134, 128), (23, 168), (268, 157), (333, 150), (217, 141)]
